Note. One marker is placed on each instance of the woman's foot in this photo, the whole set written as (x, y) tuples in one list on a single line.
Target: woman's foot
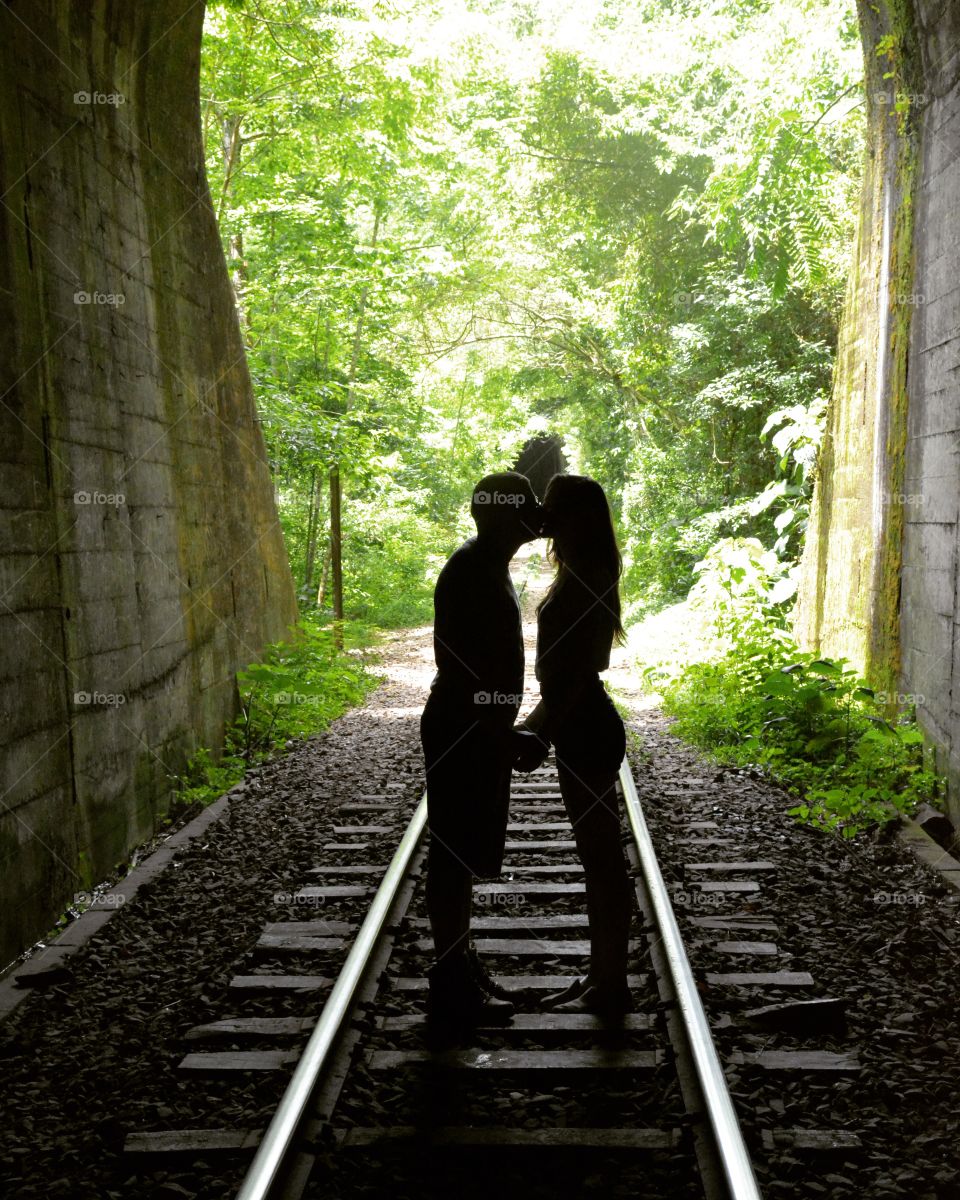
[(608, 1001), (569, 993)]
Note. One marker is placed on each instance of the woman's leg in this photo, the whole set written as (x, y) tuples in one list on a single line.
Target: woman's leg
[(592, 806)]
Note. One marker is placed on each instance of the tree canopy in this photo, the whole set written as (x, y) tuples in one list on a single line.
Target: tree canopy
[(453, 225)]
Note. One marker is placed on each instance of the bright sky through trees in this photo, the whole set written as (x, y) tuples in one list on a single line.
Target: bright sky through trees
[(454, 224)]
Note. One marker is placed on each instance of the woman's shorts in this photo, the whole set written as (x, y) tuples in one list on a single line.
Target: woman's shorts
[(591, 739)]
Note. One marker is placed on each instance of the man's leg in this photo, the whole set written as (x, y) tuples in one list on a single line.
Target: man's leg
[(449, 895), (458, 994)]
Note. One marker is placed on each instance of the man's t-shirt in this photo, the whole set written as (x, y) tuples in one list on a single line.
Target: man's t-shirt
[(477, 637), (465, 727)]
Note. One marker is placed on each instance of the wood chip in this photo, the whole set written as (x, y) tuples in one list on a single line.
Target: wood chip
[(529, 889), (239, 1027), (563, 1136), (814, 1140), (541, 845), (761, 979), (730, 866), (238, 1060), (539, 983), (547, 1022), (517, 1060), (796, 1060), (279, 983), (760, 948), (192, 1141), (289, 942), (332, 890), (526, 947)]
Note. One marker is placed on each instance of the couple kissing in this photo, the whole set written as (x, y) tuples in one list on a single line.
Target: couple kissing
[(471, 743)]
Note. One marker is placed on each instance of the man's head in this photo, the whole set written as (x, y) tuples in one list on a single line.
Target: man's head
[(506, 509)]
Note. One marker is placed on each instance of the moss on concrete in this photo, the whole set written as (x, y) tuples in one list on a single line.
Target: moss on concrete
[(159, 596), (849, 602)]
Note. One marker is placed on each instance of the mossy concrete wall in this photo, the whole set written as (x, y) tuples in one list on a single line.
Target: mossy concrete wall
[(930, 633), (879, 583), (848, 594), (140, 556)]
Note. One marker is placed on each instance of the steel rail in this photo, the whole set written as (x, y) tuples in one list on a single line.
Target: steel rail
[(283, 1125), (734, 1158)]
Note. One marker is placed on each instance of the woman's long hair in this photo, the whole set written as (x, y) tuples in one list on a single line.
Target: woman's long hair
[(590, 553)]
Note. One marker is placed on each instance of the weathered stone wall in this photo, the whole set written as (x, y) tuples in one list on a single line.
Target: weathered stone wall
[(880, 582), (140, 557), (848, 604), (930, 650)]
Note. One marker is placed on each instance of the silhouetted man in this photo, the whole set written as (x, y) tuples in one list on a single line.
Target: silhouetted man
[(469, 742)]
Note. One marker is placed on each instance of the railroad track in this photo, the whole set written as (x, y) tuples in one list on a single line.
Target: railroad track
[(555, 1099)]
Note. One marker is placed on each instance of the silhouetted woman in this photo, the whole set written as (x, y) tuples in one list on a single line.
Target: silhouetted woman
[(579, 620)]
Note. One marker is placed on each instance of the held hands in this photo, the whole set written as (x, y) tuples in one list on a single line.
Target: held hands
[(529, 749)]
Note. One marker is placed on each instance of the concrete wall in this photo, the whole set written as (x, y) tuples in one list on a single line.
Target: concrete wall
[(880, 571), (930, 633), (848, 604), (140, 557)]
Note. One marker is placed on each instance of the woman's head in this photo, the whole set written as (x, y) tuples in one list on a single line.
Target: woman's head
[(576, 517)]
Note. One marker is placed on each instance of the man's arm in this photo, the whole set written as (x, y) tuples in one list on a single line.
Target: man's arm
[(457, 628), (473, 639)]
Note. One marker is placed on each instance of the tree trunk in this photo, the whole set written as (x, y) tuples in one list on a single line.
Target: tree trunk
[(336, 555), (336, 492), (324, 576), (232, 145), (313, 526)]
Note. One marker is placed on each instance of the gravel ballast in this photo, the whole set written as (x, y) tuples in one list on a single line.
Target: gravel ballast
[(95, 1054)]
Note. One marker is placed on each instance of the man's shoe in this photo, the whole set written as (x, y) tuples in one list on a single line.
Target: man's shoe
[(456, 998), (485, 980)]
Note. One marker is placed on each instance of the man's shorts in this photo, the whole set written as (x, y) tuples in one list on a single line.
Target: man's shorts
[(468, 788)]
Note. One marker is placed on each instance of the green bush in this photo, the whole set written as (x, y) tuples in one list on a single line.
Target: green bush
[(810, 721), (389, 565), (295, 691)]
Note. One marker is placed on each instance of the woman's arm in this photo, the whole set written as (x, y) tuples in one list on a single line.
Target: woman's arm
[(559, 695)]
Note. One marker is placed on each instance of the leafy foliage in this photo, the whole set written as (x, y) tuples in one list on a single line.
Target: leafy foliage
[(809, 721), (455, 227), (458, 226), (296, 689)]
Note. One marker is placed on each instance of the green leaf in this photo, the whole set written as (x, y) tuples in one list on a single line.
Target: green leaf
[(779, 684)]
